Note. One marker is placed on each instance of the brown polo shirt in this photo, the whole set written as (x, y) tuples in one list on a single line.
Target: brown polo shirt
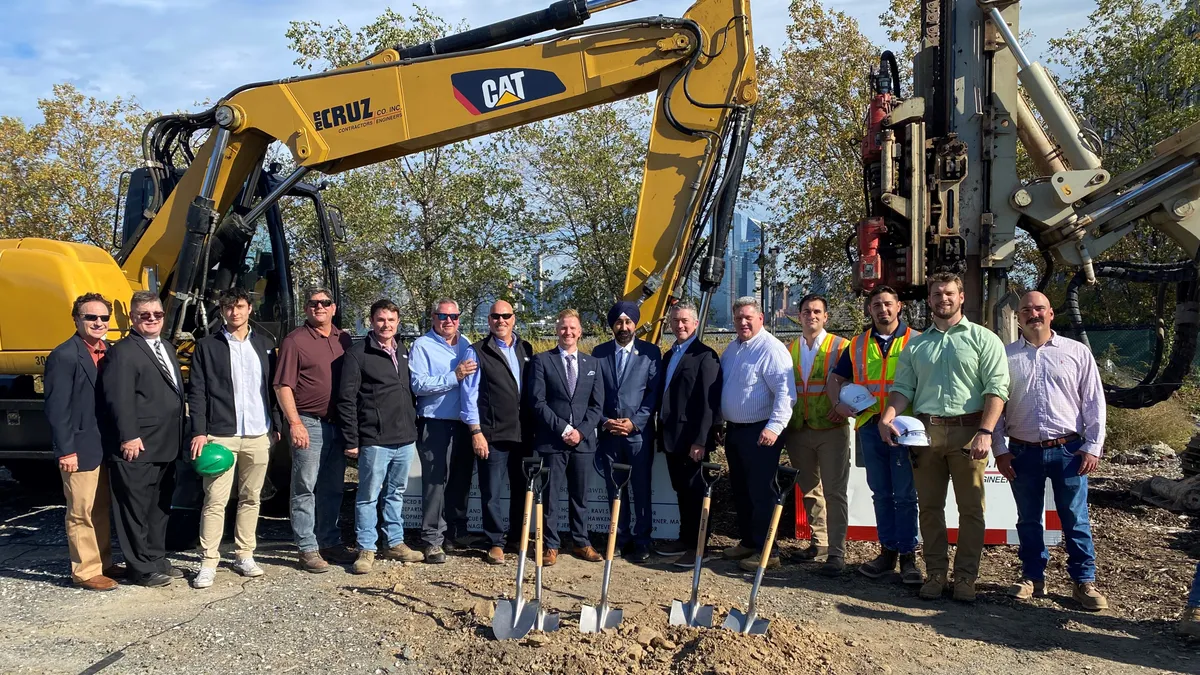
[(310, 364)]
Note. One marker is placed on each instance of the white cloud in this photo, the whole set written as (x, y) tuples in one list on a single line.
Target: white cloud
[(173, 54)]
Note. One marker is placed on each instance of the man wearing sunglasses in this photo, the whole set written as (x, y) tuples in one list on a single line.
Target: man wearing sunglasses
[(143, 388), (310, 363), (499, 424), (72, 370), (439, 363)]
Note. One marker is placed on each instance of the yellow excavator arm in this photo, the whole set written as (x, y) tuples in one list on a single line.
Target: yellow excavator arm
[(402, 101)]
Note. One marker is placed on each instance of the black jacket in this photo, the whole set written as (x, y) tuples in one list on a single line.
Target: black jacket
[(502, 418), (70, 389), (375, 403), (142, 401), (211, 407), (690, 406)]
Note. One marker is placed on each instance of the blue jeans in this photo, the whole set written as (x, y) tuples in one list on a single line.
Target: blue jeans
[(318, 479), (637, 452), (1033, 466), (381, 466), (1194, 595), (890, 477)]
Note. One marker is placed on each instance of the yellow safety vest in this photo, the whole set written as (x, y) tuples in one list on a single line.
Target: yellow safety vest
[(812, 405), (874, 370)]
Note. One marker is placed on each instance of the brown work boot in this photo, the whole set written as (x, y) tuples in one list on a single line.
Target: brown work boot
[(97, 583), (495, 556), (751, 564), (964, 590), (550, 557), (364, 563), (1189, 623), (910, 574), (1027, 588), (884, 563), (738, 552), (338, 555), (934, 587), (587, 553), (813, 553), (311, 561), (833, 566), (1090, 598), (403, 553)]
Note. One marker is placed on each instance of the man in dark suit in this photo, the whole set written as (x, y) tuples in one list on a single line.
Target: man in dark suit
[(689, 415), (567, 396), (143, 389), (500, 428), (72, 371), (630, 368)]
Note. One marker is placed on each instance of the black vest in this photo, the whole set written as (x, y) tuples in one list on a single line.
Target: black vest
[(501, 415)]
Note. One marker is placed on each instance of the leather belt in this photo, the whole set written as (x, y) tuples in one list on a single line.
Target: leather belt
[(968, 420), (1052, 443), (743, 425)]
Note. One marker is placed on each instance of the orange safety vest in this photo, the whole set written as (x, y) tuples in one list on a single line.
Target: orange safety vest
[(874, 370), (812, 405)]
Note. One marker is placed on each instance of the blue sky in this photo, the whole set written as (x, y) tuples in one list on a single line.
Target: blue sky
[(174, 54)]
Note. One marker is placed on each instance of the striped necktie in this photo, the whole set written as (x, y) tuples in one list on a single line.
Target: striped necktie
[(622, 360), (157, 348), (572, 375)]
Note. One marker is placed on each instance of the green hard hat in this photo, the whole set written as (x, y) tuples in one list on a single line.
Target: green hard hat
[(214, 460)]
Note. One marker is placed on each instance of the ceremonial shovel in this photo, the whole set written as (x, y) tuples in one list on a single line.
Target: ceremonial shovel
[(546, 622), (515, 618), (596, 619), (749, 623), (691, 613)]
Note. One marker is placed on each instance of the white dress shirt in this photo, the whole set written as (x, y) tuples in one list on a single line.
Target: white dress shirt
[(808, 355), (164, 355), (249, 395), (758, 382)]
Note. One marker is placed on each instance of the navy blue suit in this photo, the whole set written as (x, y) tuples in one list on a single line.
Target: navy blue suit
[(70, 386), (633, 397), (554, 407)]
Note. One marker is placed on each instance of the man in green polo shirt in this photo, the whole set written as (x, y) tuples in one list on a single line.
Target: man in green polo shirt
[(956, 376)]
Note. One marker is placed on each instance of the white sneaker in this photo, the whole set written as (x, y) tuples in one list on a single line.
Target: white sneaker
[(205, 577), (247, 567)]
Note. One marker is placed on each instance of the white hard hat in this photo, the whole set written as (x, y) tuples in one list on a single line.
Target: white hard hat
[(910, 431), (856, 396)]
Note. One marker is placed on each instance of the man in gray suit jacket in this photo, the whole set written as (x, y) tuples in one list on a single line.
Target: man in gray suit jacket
[(630, 369), (567, 396)]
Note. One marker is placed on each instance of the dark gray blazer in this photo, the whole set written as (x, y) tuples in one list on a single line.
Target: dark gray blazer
[(70, 403), (554, 408)]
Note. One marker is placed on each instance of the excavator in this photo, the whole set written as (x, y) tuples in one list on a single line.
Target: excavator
[(942, 193), (200, 220)]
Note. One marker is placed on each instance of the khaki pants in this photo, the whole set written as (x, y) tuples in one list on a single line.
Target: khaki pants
[(250, 454), (822, 458), (89, 533), (935, 466)]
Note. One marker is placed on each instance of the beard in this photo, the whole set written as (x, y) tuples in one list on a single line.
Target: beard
[(623, 336), (944, 313)]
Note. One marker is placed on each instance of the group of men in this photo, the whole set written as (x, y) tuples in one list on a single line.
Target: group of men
[(463, 408)]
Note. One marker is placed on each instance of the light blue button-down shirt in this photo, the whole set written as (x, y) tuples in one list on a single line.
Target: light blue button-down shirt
[(432, 363), (758, 382), (676, 354), (469, 389)]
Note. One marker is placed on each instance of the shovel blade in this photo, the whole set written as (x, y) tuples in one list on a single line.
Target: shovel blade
[(736, 621), (681, 615), (547, 622), (508, 623), (589, 619)]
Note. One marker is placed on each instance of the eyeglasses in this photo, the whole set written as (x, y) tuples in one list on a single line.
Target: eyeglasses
[(444, 316), (495, 316), (95, 317), (313, 304), (151, 316)]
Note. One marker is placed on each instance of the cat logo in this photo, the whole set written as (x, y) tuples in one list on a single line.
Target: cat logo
[(483, 91)]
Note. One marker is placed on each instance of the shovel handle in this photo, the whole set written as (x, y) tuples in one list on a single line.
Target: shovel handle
[(612, 528), (537, 528), (703, 526), (770, 542), (525, 523)]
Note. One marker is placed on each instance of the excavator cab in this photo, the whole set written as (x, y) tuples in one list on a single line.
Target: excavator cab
[(264, 260)]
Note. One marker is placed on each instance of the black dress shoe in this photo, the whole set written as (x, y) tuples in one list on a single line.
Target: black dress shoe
[(153, 579), (639, 553), (174, 572)]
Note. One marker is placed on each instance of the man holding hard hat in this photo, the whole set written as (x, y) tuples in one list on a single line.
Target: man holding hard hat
[(863, 376), (229, 405)]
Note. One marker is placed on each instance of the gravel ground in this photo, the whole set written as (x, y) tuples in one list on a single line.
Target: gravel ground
[(436, 619)]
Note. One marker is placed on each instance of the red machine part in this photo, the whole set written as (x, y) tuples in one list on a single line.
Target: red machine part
[(869, 271), (881, 106)]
